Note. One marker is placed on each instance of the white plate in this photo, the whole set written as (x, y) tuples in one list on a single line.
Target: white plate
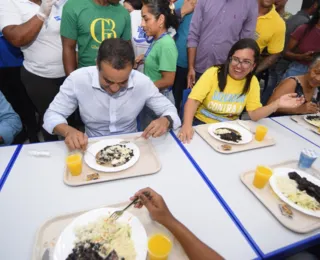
[(245, 134), (65, 243), (283, 172), (310, 122), (96, 147)]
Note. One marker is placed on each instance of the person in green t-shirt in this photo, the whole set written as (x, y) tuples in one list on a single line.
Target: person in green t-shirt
[(160, 60), (85, 24)]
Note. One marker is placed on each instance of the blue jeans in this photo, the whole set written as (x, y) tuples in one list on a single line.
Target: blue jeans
[(146, 116), (295, 69)]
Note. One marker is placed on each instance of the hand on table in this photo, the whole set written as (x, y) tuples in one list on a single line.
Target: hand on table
[(290, 101), (186, 133), (76, 140), (309, 108), (46, 7), (155, 205), (156, 128)]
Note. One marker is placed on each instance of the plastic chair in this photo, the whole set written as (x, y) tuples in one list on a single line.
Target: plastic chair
[(185, 95)]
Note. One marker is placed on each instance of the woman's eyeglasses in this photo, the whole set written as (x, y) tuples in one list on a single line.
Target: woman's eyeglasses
[(244, 63)]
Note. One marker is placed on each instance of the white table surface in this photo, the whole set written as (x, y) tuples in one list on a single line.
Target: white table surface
[(6, 153), (35, 192), (224, 173), (288, 122)]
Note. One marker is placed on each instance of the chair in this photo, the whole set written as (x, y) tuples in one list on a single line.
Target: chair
[(185, 95)]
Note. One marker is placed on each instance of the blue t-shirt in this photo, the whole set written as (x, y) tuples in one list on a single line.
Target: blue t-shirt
[(182, 37), (10, 56)]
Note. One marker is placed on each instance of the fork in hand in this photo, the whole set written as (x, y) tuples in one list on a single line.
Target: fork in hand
[(117, 214)]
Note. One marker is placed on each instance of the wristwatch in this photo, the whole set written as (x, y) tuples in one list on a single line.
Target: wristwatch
[(170, 122)]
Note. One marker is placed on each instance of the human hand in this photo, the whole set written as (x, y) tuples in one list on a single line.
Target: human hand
[(188, 7), (46, 7), (76, 140), (186, 133), (156, 128), (309, 108), (290, 101), (155, 204), (139, 60), (191, 78), (307, 56)]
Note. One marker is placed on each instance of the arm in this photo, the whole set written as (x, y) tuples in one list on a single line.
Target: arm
[(10, 124), (194, 248), (291, 55), (249, 26), (268, 62), (23, 34), (166, 81), (69, 55)]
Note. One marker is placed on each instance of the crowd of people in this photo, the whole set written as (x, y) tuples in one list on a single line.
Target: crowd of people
[(69, 65), (87, 68)]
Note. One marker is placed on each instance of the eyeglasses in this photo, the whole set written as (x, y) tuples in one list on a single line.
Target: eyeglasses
[(244, 63)]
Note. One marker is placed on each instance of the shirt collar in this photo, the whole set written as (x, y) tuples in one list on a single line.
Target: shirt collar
[(95, 83), (270, 14), (303, 13)]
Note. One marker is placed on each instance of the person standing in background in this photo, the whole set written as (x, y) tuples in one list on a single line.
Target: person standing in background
[(11, 59), (10, 124), (35, 27), (180, 82), (215, 26), (85, 24), (270, 33), (160, 60), (281, 9)]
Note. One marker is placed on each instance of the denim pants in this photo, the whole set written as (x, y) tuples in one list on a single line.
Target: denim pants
[(295, 69), (147, 115)]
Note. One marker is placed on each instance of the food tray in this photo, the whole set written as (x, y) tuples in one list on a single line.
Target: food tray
[(50, 231), (291, 219), (147, 164), (202, 130), (300, 121)]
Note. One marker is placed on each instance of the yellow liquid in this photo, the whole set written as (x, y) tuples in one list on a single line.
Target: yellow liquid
[(159, 247), (262, 176), (261, 132), (74, 164)]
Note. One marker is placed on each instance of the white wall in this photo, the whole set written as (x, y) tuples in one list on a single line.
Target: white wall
[(293, 6)]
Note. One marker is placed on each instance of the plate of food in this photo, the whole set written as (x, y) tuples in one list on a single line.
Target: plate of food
[(298, 189), (111, 155), (230, 133), (94, 236), (313, 119)]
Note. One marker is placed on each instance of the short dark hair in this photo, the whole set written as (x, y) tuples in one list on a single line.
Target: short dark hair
[(116, 52), (159, 7), (306, 4), (223, 70), (136, 4)]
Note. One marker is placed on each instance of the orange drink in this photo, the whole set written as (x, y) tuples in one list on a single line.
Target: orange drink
[(261, 132), (74, 164), (159, 247), (261, 176)]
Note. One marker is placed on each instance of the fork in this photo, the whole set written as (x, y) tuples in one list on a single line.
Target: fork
[(117, 214)]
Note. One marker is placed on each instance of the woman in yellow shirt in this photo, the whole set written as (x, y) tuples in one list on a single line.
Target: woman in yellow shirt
[(224, 91)]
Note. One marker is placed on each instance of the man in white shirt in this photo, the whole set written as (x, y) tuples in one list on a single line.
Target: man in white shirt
[(110, 98)]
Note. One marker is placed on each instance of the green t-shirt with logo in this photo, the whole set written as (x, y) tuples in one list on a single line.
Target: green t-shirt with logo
[(162, 57), (89, 24)]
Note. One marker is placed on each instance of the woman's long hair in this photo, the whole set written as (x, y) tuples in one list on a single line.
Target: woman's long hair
[(159, 7), (223, 70), (312, 23)]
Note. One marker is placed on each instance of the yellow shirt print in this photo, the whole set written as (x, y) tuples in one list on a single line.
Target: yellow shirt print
[(107, 28)]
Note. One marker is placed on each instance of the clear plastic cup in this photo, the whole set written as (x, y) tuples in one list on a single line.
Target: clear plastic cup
[(307, 158), (74, 164), (261, 176), (261, 132), (159, 247)]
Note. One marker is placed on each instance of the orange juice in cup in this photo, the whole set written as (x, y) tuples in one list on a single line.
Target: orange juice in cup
[(74, 164), (261, 132), (159, 247), (261, 176)]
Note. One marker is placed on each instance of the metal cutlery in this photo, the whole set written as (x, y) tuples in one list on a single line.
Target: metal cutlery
[(117, 214), (132, 141)]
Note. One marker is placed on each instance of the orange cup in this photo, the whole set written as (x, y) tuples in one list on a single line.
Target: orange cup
[(261, 176), (159, 247), (261, 132), (74, 164)]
